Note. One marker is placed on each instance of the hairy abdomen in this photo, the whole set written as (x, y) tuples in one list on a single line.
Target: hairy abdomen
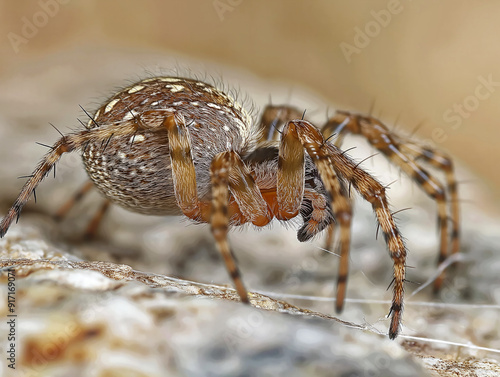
[(134, 172)]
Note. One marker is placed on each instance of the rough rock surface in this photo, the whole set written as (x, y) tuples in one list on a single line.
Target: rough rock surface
[(85, 318)]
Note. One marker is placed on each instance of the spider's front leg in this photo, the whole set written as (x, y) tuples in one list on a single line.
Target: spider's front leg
[(66, 144), (290, 191), (333, 163), (273, 120), (219, 220), (228, 172)]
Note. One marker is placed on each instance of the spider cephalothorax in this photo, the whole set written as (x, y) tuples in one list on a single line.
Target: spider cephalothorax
[(171, 145)]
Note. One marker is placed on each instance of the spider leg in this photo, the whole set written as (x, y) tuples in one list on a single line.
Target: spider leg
[(66, 144), (330, 237), (335, 129), (77, 197), (338, 125), (274, 119), (62, 212), (398, 151), (228, 172), (441, 161), (332, 162), (219, 219), (93, 225), (297, 137), (183, 170), (250, 204)]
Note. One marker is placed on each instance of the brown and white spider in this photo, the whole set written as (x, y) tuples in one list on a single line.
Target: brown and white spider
[(171, 145)]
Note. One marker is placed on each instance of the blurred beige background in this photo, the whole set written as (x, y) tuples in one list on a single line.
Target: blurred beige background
[(431, 62)]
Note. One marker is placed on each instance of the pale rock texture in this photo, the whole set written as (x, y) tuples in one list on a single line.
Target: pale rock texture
[(84, 318)]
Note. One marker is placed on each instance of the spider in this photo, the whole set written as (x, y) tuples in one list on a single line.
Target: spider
[(179, 146)]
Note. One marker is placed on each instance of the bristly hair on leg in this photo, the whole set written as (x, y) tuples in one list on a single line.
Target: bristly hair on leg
[(83, 124), (92, 120)]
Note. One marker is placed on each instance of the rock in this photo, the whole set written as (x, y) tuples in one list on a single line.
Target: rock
[(83, 318)]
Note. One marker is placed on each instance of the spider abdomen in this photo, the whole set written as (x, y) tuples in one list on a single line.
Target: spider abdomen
[(137, 177), (135, 172)]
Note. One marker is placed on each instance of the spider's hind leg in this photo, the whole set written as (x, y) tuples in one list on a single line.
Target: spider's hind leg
[(96, 220), (273, 120), (66, 144), (405, 154), (63, 211), (443, 162)]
